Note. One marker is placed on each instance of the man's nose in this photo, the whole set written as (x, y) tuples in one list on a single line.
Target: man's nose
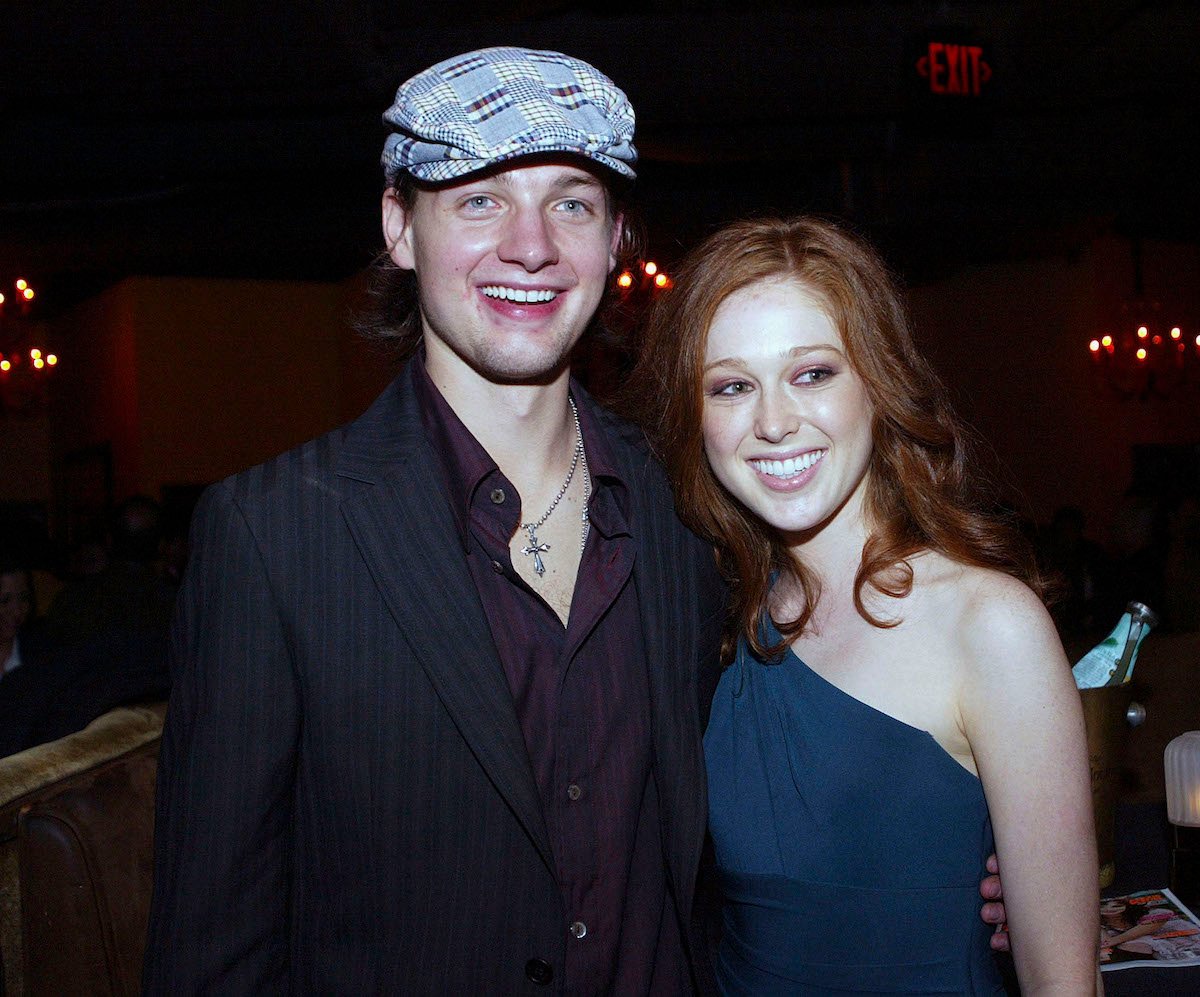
[(528, 240)]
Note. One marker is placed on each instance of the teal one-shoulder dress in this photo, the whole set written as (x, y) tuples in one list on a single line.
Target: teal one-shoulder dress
[(849, 845)]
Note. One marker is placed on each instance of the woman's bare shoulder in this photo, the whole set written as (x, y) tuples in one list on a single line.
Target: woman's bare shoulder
[(990, 613), (981, 593)]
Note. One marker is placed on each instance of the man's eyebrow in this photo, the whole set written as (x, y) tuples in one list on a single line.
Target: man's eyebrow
[(571, 181), (563, 182)]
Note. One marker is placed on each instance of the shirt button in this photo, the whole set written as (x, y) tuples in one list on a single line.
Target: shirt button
[(498, 567), (578, 929), (497, 496), (573, 792), (539, 971)]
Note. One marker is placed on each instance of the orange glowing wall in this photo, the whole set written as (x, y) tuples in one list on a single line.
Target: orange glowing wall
[(191, 380), (1012, 342)]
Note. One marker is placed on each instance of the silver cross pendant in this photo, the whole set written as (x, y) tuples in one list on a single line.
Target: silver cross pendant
[(536, 549)]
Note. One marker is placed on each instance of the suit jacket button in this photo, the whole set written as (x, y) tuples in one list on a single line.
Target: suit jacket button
[(539, 971)]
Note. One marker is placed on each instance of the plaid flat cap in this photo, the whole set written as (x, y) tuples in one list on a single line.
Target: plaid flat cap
[(497, 104)]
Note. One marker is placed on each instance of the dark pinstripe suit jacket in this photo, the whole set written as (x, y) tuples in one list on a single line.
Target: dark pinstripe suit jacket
[(345, 803)]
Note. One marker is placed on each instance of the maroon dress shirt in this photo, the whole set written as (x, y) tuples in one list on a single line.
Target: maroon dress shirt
[(582, 701)]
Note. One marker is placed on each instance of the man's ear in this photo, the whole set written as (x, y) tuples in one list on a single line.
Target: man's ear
[(397, 231), (614, 246)]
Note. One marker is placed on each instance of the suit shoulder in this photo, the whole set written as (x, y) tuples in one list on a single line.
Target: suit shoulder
[(311, 464), (622, 432), (314, 464), (654, 491), (633, 449)]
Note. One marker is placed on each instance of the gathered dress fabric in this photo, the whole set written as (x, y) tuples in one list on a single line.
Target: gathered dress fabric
[(849, 845)]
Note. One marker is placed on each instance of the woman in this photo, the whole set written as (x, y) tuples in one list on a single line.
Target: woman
[(897, 691)]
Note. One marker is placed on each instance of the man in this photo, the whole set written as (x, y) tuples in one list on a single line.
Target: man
[(435, 724)]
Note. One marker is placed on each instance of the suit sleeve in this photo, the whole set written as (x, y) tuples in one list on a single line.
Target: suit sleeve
[(221, 905), (713, 616)]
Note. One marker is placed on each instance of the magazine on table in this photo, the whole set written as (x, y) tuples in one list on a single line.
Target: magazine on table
[(1147, 928)]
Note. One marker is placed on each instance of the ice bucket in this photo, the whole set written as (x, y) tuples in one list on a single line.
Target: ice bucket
[(1108, 713)]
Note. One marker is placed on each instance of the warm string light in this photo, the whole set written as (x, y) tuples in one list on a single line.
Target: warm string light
[(1141, 355), (12, 360), (24, 293), (653, 278), (634, 291), (37, 359), (1145, 362)]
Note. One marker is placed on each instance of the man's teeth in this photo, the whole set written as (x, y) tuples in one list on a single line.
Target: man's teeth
[(791, 466), (519, 295)]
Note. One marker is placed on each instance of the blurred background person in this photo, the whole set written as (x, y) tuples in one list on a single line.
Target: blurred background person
[(129, 595), (16, 607), (103, 643), (1082, 571), (26, 684)]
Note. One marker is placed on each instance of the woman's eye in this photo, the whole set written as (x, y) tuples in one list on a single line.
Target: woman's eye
[(730, 388), (814, 375)]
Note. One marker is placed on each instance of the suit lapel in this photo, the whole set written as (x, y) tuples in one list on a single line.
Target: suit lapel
[(403, 527)]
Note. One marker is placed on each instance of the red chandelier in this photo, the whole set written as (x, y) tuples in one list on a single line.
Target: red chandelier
[(24, 361), (1143, 353)]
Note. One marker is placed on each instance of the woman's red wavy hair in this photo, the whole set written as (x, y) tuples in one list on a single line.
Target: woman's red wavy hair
[(926, 490)]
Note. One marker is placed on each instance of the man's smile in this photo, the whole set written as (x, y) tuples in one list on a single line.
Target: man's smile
[(519, 295)]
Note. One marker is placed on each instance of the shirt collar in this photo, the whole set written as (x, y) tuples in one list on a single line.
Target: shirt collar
[(464, 464), (609, 507), (462, 461)]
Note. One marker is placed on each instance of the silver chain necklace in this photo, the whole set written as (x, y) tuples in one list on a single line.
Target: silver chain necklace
[(536, 547)]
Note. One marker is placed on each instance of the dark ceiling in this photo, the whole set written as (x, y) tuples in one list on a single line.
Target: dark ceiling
[(227, 139)]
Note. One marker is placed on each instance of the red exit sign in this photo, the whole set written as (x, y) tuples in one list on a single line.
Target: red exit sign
[(954, 69)]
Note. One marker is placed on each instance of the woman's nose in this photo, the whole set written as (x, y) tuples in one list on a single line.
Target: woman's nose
[(777, 418)]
